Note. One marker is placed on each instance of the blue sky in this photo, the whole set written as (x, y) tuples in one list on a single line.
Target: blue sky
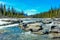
[(31, 7)]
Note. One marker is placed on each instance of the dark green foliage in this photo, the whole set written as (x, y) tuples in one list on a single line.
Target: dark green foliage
[(10, 12), (52, 13)]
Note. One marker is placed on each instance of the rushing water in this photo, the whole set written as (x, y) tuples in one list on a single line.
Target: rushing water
[(15, 33)]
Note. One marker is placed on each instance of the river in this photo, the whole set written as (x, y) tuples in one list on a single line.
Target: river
[(16, 33)]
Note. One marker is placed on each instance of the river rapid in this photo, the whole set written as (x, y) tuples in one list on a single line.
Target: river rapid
[(16, 33)]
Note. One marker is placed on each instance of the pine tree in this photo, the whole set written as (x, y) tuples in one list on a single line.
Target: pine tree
[(1, 9), (4, 10)]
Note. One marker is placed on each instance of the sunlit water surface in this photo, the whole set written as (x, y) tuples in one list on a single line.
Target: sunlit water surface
[(15, 33)]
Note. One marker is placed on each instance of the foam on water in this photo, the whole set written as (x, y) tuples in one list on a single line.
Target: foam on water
[(28, 33)]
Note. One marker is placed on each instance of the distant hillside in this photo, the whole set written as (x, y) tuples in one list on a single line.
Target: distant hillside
[(53, 13), (10, 12)]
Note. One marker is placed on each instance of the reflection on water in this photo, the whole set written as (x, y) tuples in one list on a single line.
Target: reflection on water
[(15, 33)]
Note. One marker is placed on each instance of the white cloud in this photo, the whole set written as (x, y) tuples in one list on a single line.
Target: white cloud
[(1, 2), (31, 11)]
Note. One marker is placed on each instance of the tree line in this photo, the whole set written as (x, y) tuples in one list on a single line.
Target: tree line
[(52, 13), (10, 12)]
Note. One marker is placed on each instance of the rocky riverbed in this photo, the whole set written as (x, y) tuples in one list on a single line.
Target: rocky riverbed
[(43, 26), (49, 27)]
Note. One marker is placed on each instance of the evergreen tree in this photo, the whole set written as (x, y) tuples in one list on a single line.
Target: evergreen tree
[(4, 10)]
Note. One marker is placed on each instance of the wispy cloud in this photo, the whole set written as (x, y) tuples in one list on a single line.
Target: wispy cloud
[(1, 2), (31, 11)]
